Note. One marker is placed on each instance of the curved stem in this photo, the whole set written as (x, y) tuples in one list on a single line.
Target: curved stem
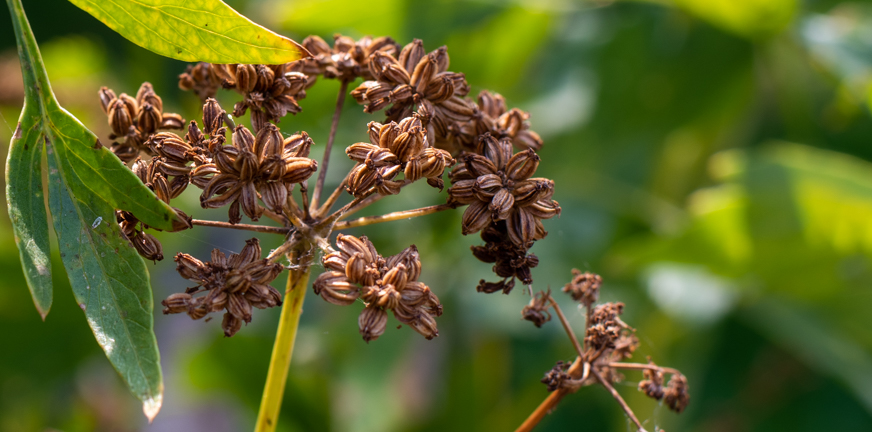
[(370, 220), (319, 186), (280, 361), (566, 326), (618, 398), (641, 366)]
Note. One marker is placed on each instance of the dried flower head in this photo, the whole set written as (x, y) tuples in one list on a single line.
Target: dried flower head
[(356, 270), (201, 79), (652, 385), (265, 164), (500, 186), (347, 59), (234, 284), (393, 149), (557, 378), (134, 120), (605, 326), (676, 395), (584, 287), (537, 310), (491, 116), (416, 78), (269, 91), (510, 260)]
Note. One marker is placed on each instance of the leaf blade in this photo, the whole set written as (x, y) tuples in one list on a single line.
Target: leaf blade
[(180, 29), (86, 184), (109, 281), (25, 202)]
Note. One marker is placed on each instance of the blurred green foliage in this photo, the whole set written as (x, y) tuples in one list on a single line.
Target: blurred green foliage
[(713, 163)]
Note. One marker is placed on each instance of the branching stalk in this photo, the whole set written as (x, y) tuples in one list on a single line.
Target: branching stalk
[(245, 227), (642, 366), (319, 186), (371, 220), (618, 398), (566, 327), (332, 198), (280, 361)]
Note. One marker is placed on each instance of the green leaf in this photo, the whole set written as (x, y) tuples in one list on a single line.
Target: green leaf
[(194, 30), (86, 184)]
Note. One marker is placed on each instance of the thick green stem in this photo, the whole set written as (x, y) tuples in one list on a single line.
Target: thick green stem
[(283, 348)]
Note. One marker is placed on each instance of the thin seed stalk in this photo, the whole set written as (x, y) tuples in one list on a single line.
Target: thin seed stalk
[(319, 186), (390, 217), (244, 227), (280, 361)]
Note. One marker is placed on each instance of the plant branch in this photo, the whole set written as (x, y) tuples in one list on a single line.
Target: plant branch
[(641, 366), (304, 190), (618, 398), (319, 186), (566, 327), (245, 227), (280, 361), (332, 198), (371, 220)]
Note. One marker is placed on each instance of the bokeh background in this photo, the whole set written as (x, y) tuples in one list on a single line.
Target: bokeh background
[(712, 158)]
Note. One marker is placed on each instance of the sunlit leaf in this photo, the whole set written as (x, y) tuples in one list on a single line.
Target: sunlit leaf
[(194, 30), (86, 184), (751, 18)]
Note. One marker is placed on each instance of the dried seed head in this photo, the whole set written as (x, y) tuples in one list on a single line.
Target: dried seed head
[(537, 310), (676, 395), (557, 378), (652, 385), (584, 287)]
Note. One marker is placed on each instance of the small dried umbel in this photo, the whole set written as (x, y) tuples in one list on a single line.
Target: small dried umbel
[(269, 91), (347, 59), (393, 149), (557, 378), (356, 270), (491, 116), (234, 284), (537, 310), (676, 395), (264, 164), (510, 260), (201, 79), (584, 287), (652, 385), (499, 186), (416, 78), (134, 120)]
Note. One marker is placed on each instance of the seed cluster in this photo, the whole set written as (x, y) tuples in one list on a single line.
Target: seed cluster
[(134, 120), (357, 271), (234, 284)]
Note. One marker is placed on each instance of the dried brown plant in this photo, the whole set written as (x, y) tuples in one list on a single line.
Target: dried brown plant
[(431, 126)]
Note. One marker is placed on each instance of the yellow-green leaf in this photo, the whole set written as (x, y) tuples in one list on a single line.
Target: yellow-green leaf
[(194, 30)]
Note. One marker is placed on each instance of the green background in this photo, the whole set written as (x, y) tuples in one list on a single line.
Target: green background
[(712, 161)]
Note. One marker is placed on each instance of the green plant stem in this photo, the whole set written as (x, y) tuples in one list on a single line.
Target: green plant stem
[(283, 348)]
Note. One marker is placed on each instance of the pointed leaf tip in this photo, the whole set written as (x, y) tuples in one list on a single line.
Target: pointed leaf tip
[(151, 407)]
